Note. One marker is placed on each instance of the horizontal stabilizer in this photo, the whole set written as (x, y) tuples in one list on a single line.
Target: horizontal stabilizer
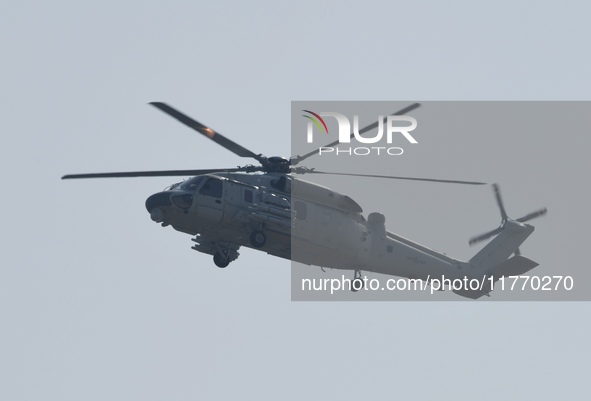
[(515, 266)]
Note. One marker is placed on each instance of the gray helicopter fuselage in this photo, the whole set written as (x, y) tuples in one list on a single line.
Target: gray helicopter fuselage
[(301, 221)]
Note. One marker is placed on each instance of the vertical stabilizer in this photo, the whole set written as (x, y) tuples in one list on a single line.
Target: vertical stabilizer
[(512, 235)]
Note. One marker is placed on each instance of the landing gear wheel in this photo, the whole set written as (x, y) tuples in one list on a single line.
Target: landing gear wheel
[(220, 260), (357, 283), (258, 238)]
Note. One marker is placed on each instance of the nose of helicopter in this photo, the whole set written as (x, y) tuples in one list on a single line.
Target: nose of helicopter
[(154, 205), (158, 199)]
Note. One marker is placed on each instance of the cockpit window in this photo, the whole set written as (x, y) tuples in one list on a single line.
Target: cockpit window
[(212, 187), (173, 186), (192, 183), (183, 201)]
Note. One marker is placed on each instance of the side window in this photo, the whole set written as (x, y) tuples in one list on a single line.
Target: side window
[(301, 210), (212, 187), (248, 195)]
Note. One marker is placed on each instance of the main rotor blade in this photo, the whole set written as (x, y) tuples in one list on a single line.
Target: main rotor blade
[(397, 178), (166, 173), (297, 159), (208, 132), (500, 201), (482, 237), (532, 215)]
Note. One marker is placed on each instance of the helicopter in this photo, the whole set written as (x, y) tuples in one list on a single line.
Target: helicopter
[(267, 208)]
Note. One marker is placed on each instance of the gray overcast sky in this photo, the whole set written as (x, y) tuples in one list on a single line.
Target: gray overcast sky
[(98, 302)]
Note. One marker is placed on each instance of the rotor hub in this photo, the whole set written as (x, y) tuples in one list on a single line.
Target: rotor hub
[(277, 164)]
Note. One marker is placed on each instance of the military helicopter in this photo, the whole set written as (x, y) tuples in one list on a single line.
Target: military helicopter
[(265, 207)]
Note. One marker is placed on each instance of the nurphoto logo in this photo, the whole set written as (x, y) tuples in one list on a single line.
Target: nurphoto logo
[(394, 125)]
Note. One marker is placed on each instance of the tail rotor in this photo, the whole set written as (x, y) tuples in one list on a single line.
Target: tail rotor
[(504, 219)]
